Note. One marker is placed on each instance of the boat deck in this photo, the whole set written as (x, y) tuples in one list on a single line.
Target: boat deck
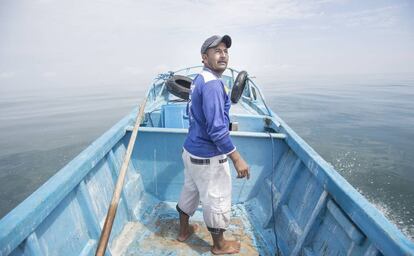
[(241, 109), (156, 234)]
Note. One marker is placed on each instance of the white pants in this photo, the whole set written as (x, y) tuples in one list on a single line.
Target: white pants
[(210, 183)]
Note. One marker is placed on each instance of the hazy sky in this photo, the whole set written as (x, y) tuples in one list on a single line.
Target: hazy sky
[(123, 41)]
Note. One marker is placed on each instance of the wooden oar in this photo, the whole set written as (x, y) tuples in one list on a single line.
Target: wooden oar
[(107, 228)]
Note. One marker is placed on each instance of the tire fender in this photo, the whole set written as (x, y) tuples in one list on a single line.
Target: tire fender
[(238, 87), (179, 86)]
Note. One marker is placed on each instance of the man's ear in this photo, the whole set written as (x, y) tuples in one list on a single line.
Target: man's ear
[(204, 57)]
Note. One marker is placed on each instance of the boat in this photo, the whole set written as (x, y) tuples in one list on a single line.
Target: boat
[(294, 203)]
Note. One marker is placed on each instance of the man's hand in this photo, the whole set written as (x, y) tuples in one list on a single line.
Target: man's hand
[(241, 166)]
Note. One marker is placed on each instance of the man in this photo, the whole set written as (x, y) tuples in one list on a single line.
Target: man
[(208, 143)]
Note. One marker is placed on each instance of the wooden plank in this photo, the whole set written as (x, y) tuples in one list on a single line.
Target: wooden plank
[(88, 211), (289, 184), (315, 213), (232, 133), (292, 223), (350, 229), (114, 167), (32, 245), (275, 193)]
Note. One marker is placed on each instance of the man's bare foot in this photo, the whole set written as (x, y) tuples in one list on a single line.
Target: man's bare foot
[(228, 247), (187, 233)]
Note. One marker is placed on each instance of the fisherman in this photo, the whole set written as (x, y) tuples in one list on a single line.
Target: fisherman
[(206, 149)]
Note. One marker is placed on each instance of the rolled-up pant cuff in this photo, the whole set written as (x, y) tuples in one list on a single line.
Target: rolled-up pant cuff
[(181, 211), (216, 231)]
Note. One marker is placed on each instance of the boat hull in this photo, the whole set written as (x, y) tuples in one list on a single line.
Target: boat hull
[(295, 203)]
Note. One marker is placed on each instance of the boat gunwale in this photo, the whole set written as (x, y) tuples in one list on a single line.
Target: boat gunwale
[(232, 133), (386, 237), (19, 223)]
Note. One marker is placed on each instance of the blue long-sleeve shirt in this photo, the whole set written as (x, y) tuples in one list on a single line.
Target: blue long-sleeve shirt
[(208, 110)]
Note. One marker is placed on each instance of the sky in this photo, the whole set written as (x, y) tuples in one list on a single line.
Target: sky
[(81, 43)]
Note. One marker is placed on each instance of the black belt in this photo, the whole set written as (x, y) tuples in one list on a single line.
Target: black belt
[(205, 161)]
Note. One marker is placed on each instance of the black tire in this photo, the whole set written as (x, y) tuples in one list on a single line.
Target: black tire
[(238, 87), (179, 86)]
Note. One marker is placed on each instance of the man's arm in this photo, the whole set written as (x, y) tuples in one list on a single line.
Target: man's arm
[(217, 127), (240, 165)]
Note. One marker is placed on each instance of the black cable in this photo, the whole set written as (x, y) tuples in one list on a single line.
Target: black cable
[(149, 116), (277, 253)]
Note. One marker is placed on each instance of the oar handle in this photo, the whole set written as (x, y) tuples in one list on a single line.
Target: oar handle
[(109, 220)]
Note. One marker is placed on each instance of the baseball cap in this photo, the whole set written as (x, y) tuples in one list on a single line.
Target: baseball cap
[(215, 40)]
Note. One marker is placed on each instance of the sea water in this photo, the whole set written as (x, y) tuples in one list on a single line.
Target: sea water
[(362, 125)]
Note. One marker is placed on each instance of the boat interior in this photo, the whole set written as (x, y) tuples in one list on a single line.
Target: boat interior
[(157, 169), (294, 202), (282, 208)]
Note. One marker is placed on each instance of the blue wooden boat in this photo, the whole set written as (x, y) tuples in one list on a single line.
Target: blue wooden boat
[(295, 203)]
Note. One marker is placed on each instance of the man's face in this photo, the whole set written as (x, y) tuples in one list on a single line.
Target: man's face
[(216, 58)]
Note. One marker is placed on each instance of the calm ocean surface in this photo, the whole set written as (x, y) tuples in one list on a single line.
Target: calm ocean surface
[(363, 126)]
